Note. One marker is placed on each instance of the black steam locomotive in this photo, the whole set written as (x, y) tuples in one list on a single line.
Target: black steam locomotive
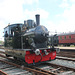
[(29, 42)]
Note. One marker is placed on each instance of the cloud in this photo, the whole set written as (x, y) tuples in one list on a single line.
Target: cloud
[(64, 4), (51, 26), (31, 13), (30, 1), (67, 23), (72, 0), (69, 13), (11, 11)]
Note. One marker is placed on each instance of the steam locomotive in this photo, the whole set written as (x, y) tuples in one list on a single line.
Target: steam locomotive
[(29, 42)]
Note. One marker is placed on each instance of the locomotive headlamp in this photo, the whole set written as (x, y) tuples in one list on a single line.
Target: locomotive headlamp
[(46, 53), (57, 50), (37, 51)]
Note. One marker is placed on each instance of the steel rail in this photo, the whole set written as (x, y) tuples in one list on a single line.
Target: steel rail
[(3, 73), (43, 70), (69, 59), (40, 70), (6, 57), (66, 55), (51, 64), (72, 50), (2, 52), (25, 68)]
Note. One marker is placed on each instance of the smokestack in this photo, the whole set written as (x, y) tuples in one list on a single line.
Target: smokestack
[(37, 19)]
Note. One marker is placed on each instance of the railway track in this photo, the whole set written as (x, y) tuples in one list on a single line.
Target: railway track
[(66, 54), (64, 58), (54, 70), (2, 73), (1, 47), (7, 69), (34, 70), (67, 49), (57, 69), (23, 69), (49, 69)]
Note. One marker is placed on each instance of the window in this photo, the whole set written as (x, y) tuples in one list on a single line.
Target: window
[(69, 37), (60, 37), (65, 37), (6, 34)]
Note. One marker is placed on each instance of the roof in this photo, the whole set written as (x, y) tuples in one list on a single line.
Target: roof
[(12, 24), (70, 33)]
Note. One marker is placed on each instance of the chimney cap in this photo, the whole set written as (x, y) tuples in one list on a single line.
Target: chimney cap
[(37, 14)]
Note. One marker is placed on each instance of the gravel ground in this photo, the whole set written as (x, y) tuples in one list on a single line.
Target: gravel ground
[(65, 57), (64, 63)]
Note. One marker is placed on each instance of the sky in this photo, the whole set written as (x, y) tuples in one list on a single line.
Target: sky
[(57, 15)]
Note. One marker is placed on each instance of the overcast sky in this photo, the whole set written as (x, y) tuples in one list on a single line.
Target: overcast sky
[(56, 15)]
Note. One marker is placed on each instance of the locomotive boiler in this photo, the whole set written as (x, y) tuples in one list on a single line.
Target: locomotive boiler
[(28, 42)]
